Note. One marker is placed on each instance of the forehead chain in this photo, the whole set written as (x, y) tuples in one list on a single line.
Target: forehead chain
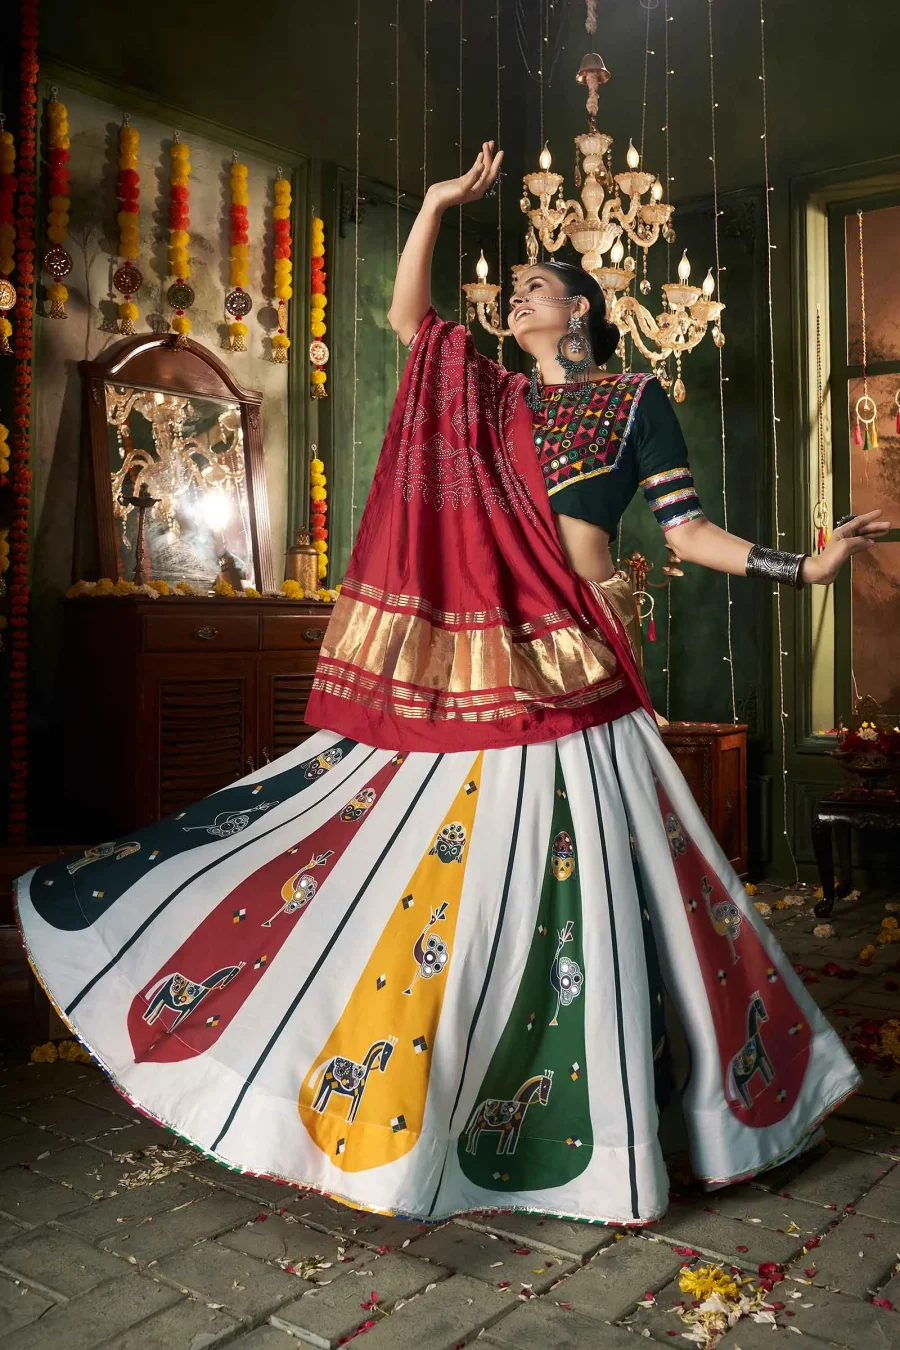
[(549, 299)]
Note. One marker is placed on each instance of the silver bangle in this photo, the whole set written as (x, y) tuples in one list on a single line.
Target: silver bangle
[(772, 563)]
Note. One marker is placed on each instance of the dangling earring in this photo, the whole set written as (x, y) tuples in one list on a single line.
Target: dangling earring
[(533, 397), (574, 351)]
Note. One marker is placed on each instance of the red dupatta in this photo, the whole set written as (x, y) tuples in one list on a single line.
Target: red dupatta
[(460, 624)]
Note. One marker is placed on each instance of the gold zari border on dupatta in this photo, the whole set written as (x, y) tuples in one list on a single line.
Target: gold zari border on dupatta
[(407, 665)]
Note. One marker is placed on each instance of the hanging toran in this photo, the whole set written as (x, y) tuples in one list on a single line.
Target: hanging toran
[(7, 233), (127, 278), (281, 214), (237, 302), (821, 515), (57, 261), (180, 294), (866, 410), (318, 351)]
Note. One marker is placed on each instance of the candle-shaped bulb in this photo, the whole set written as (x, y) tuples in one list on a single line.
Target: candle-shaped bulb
[(546, 159), (616, 253), (684, 268), (708, 284), (632, 158), (481, 267), (656, 191)]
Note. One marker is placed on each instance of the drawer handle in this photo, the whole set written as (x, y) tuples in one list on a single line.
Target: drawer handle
[(314, 634), (207, 633)]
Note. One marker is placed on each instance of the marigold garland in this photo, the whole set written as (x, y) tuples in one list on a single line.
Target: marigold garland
[(318, 513), (318, 352), (21, 476), (57, 261), (128, 279), (238, 302), (281, 214), (180, 295), (7, 232)]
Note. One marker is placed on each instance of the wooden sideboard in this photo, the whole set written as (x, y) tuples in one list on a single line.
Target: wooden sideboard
[(171, 699), (713, 758)]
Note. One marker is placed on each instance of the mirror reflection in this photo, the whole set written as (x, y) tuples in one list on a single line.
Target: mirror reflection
[(188, 451)]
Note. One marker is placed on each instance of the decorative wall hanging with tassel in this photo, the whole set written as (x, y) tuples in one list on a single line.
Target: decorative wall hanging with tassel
[(237, 302), (57, 261), (127, 278)]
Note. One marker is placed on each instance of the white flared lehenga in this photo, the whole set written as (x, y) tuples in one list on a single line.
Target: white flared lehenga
[(425, 984)]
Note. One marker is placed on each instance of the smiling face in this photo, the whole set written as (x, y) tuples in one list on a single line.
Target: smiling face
[(537, 316)]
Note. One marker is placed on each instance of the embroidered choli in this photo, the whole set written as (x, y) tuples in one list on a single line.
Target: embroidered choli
[(598, 443)]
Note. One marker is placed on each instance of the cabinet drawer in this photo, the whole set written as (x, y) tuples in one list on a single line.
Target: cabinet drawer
[(294, 632), (197, 633)]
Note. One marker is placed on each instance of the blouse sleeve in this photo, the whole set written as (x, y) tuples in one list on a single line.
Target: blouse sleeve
[(662, 461)]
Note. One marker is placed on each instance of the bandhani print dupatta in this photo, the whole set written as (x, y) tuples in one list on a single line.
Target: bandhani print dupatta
[(460, 624)]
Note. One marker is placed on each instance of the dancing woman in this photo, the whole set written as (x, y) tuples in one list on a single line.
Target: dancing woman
[(473, 946)]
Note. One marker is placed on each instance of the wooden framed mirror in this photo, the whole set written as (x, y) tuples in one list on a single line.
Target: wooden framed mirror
[(177, 422)]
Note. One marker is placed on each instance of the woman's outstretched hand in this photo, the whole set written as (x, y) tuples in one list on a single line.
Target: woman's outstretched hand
[(473, 185), (858, 535)]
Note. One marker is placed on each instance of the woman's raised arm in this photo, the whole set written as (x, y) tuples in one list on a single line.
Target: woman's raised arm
[(412, 288)]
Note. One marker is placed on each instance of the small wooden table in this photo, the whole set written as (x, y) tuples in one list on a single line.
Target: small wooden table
[(836, 816)]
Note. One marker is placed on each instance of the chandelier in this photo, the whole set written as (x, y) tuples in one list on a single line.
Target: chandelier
[(618, 218)]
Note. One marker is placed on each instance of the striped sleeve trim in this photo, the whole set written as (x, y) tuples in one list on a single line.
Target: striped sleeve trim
[(695, 513), (660, 479)]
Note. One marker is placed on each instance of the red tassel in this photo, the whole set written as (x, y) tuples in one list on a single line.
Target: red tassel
[(857, 435), (898, 423), (651, 631), (821, 543)]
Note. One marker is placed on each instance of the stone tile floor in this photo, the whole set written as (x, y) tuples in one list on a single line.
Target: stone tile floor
[(115, 1234)]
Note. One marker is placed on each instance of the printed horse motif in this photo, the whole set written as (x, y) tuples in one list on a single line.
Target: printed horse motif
[(348, 1078), (726, 918), (506, 1118), (751, 1058), (181, 995), (100, 852)]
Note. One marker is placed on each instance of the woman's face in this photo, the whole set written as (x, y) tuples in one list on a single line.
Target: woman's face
[(537, 317)]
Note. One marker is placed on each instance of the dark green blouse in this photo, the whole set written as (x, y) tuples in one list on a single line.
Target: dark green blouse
[(598, 443)]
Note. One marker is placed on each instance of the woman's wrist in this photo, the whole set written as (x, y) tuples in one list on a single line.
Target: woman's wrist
[(810, 571)]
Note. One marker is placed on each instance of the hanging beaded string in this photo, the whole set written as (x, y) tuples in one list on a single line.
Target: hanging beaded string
[(498, 186), (717, 335), (459, 156), (397, 165), (356, 316), (866, 410), (821, 515), (783, 716)]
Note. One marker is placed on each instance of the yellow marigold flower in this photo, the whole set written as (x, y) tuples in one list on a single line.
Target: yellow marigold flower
[(223, 587), (750, 888), (320, 546), (74, 1053), (123, 587), (281, 340), (292, 590), (181, 323), (104, 586), (185, 588), (707, 1280), (251, 592), (319, 377), (162, 587), (316, 465), (318, 494), (867, 954), (44, 1054)]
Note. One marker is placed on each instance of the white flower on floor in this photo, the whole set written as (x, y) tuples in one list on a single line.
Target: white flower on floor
[(823, 930)]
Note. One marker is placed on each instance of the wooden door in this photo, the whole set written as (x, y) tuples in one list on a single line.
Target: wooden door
[(197, 732), (285, 683)]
